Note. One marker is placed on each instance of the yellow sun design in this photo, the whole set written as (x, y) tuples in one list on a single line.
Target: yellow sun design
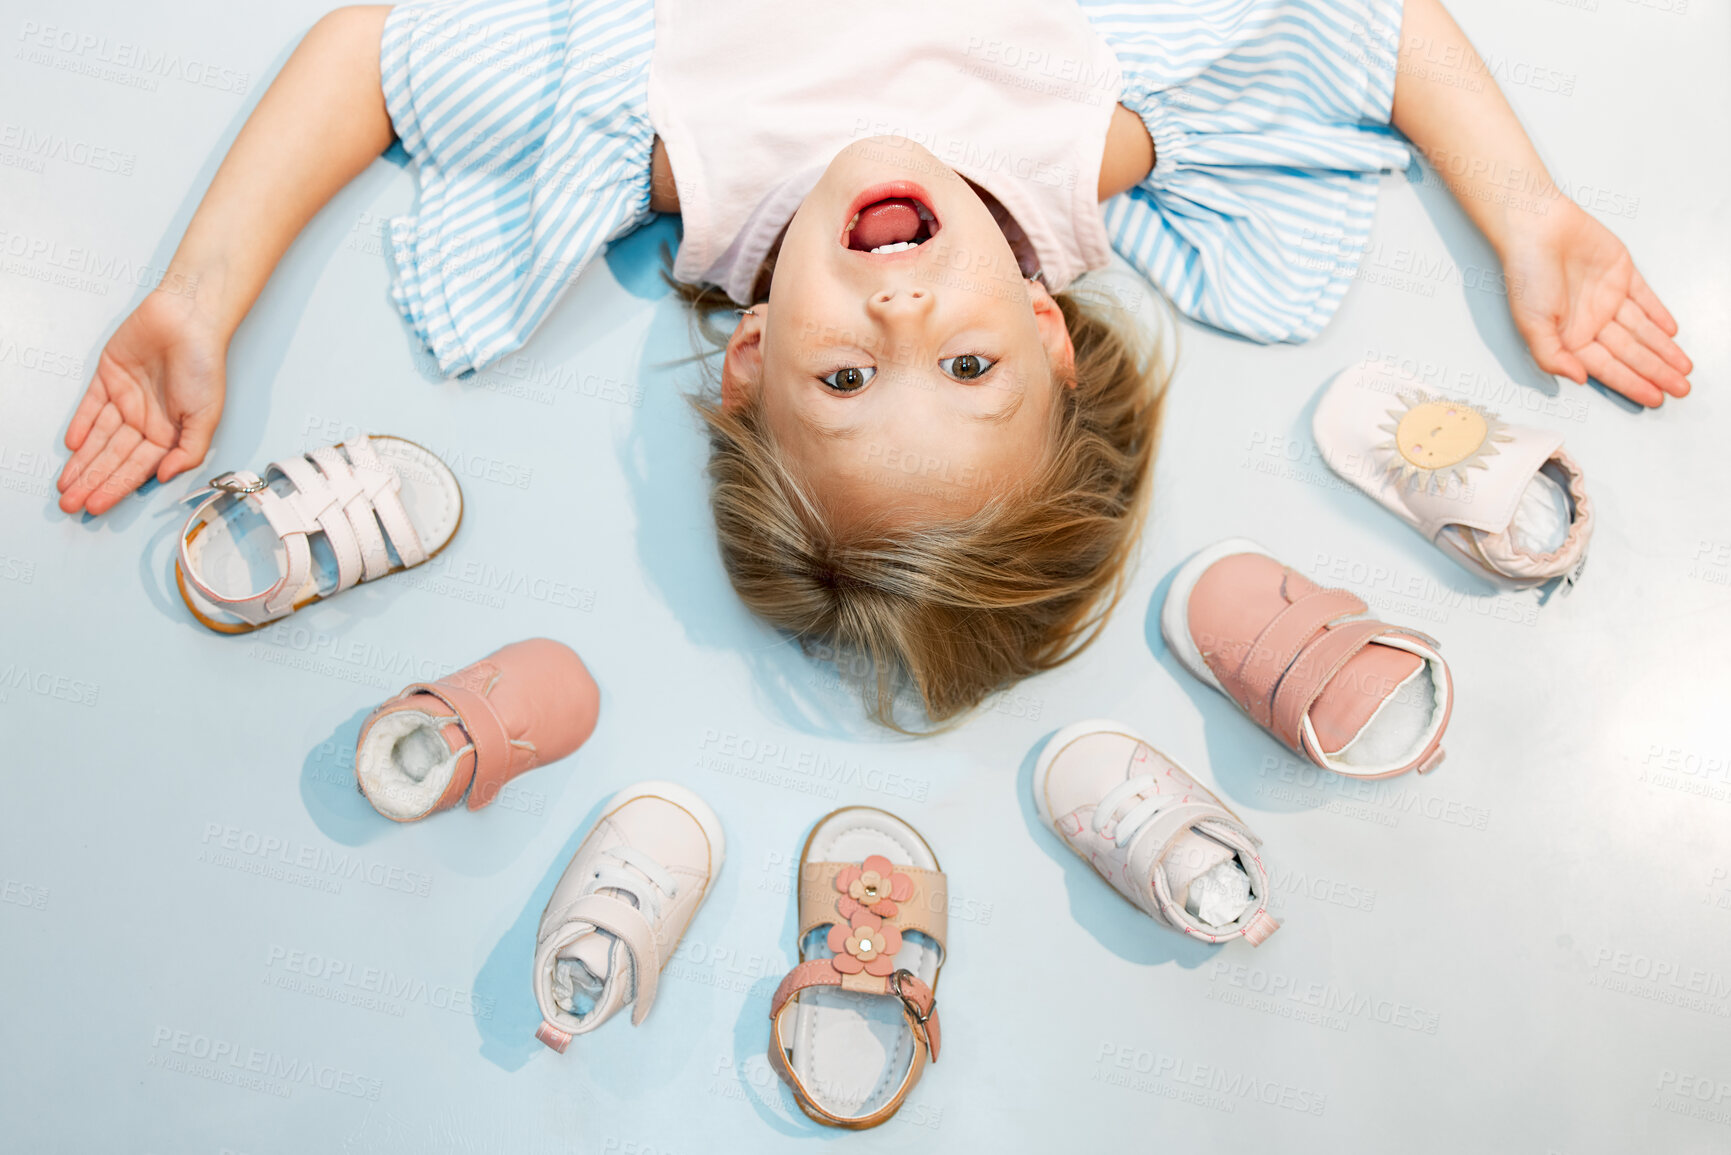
[(1434, 438)]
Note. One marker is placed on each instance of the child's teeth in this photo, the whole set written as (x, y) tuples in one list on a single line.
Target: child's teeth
[(896, 248), (925, 213)]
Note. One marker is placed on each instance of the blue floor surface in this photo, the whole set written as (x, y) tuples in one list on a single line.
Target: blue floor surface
[(210, 943)]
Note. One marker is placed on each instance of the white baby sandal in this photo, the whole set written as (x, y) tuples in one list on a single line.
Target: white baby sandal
[(312, 526), (621, 907), (1148, 828)]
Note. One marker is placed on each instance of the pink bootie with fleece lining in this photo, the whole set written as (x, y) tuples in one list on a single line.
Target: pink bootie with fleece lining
[(469, 733)]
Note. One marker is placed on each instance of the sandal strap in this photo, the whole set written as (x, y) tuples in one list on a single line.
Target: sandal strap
[(285, 519), (487, 732), (627, 924), (381, 483), (322, 506), (358, 508), (926, 909), (919, 1007)]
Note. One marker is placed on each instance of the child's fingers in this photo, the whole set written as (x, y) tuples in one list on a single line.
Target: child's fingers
[(1547, 349), (89, 482), (95, 397), (1634, 318), (1601, 363), (127, 476), (1651, 304), (195, 434), (1627, 349), (101, 429)]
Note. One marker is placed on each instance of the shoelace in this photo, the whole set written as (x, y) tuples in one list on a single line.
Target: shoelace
[(1138, 815), (620, 878)]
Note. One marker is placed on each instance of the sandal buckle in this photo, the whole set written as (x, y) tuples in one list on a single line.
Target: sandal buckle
[(913, 1008), (231, 482)]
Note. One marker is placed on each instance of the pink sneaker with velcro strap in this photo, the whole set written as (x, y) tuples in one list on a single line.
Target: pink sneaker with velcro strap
[(1309, 665)]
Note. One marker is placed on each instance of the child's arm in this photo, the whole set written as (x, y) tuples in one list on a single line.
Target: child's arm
[(154, 401), (1574, 293)]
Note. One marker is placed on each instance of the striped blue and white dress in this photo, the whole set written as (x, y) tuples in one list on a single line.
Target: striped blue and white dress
[(528, 123)]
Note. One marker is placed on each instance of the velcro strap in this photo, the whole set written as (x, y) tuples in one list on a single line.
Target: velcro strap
[(1313, 670), (627, 923), (1317, 667), (486, 730), (1267, 659)]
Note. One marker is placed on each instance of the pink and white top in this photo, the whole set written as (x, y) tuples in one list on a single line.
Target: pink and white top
[(752, 102)]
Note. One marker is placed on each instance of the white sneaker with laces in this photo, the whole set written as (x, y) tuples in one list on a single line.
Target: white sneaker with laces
[(621, 907), (1147, 827)]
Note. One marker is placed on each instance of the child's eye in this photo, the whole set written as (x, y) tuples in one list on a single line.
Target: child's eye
[(966, 367), (850, 379)]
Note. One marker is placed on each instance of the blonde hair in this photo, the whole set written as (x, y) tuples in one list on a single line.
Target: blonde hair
[(961, 609)]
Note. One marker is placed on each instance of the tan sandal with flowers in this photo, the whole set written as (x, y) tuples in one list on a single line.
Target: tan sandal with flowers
[(851, 1030)]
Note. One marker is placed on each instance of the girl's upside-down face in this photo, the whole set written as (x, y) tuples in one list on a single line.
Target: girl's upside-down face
[(905, 367)]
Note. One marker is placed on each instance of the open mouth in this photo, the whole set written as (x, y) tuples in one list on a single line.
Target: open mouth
[(890, 219)]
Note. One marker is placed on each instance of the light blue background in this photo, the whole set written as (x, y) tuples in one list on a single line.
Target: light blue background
[(1528, 951)]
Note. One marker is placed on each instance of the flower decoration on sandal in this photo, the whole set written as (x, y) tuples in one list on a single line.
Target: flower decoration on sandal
[(864, 944), (875, 885)]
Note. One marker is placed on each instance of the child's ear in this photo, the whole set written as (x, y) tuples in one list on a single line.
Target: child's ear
[(742, 365), (1054, 333)]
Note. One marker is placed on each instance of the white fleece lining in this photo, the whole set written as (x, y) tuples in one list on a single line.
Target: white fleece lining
[(398, 764)]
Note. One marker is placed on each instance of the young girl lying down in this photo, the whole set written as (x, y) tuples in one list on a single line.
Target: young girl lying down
[(900, 197)]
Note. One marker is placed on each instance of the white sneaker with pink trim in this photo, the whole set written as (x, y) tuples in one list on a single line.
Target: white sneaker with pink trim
[(1163, 841), (621, 907)]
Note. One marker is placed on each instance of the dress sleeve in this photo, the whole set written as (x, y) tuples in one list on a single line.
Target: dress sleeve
[(1270, 122), (528, 123)]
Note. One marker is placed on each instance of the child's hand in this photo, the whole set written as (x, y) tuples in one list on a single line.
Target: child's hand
[(1582, 307), (151, 407)]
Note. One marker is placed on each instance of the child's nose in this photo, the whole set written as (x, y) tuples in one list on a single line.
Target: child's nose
[(899, 304)]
